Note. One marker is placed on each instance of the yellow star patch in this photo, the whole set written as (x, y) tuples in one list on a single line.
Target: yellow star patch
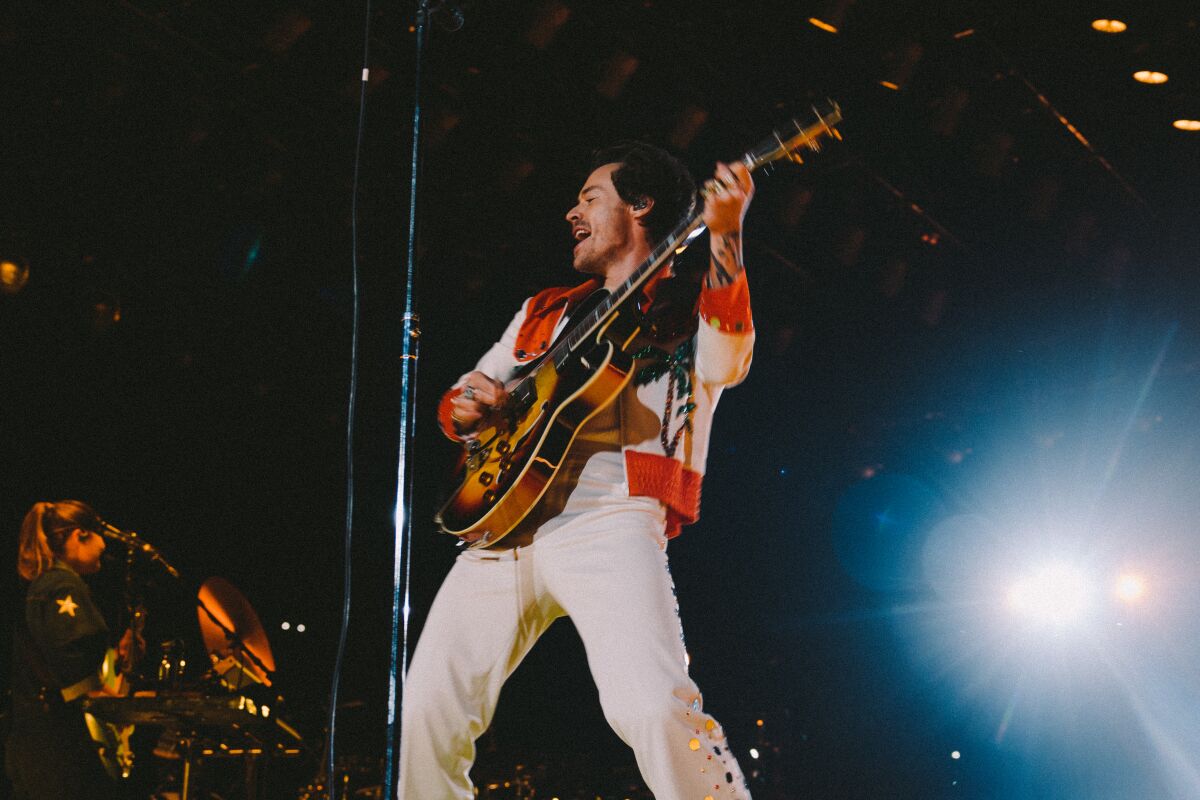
[(67, 605)]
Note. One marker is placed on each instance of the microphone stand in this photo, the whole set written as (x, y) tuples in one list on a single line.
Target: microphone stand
[(136, 543), (134, 611), (409, 356)]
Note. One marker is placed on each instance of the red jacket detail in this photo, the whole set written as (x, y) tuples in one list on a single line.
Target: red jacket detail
[(668, 480)]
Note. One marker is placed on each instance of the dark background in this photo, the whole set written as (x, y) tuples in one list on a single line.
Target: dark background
[(962, 309)]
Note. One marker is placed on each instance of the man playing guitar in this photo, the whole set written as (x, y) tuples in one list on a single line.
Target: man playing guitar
[(593, 546)]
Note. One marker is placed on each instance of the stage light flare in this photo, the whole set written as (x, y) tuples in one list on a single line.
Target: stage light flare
[(1054, 594), (823, 25), (1131, 587), (1187, 124), (754, 752), (1081, 517)]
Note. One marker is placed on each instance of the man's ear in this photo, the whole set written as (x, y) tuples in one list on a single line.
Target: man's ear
[(641, 207)]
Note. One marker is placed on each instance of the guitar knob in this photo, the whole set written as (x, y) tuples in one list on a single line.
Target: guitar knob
[(502, 446), (485, 478), (489, 496)]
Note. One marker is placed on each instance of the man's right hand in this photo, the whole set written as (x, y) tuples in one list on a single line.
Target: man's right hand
[(479, 397)]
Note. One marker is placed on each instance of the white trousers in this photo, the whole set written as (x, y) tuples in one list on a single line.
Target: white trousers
[(608, 572)]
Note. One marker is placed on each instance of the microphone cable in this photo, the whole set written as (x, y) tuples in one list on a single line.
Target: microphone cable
[(350, 411)]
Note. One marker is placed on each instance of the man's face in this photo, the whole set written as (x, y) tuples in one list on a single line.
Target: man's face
[(603, 225), (81, 551)]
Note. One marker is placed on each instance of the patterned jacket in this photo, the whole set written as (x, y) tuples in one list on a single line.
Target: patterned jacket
[(666, 411)]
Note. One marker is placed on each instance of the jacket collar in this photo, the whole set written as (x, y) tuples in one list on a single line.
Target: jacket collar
[(568, 298)]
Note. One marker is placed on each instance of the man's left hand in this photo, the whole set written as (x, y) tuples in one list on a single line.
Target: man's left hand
[(725, 205)]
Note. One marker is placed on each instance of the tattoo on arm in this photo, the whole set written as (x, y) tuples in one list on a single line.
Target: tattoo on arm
[(726, 261)]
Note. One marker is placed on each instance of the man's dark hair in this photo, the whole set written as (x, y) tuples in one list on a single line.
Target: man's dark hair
[(649, 171)]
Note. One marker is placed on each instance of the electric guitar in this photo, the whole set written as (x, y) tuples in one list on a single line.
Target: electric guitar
[(510, 463), (112, 739)]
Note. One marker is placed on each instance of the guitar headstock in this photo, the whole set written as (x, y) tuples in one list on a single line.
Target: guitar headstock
[(791, 142)]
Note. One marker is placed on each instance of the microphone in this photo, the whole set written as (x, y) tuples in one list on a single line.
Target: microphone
[(135, 542)]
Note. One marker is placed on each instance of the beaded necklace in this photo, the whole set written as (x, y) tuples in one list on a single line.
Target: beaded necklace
[(677, 366)]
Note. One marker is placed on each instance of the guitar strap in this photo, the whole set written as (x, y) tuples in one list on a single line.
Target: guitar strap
[(563, 326)]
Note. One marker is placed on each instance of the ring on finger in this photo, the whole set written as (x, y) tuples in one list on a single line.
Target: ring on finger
[(469, 392)]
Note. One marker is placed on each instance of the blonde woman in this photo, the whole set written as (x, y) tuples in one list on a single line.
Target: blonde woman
[(61, 654)]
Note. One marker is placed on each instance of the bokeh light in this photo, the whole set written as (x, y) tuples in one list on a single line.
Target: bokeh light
[(1150, 76), (14, 275)]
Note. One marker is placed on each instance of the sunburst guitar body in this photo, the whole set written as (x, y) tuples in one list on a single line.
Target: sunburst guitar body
[(508, 466)]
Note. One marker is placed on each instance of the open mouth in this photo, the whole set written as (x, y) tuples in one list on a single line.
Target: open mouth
[(580, 235)]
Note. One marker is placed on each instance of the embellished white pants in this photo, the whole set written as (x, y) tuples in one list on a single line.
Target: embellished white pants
[(608, 571)]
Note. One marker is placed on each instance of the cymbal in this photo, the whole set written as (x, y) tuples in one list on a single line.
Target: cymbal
[(229, 606)]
